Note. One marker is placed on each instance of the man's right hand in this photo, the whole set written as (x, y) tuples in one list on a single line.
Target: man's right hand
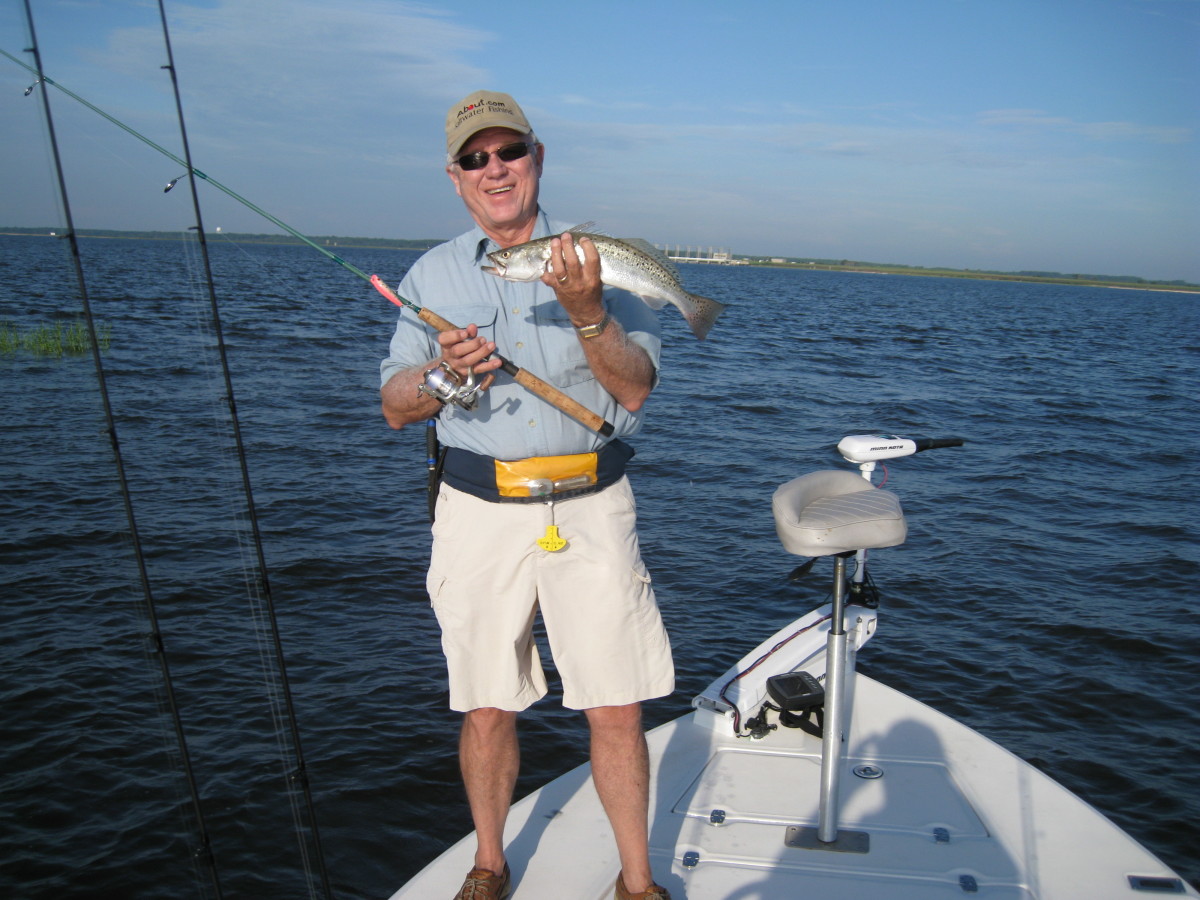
[(462, 348)]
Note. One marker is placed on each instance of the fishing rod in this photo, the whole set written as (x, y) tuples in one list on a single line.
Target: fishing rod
[(202, 854), (298, 776), (526, 379)]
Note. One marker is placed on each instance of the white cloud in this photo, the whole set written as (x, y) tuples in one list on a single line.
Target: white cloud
[(295, 74), (1036, 119)]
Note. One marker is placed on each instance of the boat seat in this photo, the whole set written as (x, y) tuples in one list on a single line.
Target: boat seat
[(836, 511)]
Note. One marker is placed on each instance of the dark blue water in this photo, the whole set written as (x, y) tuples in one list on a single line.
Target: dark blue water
[(1045, 595)]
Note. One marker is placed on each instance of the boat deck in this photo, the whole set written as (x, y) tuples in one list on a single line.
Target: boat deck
[(727, 813)]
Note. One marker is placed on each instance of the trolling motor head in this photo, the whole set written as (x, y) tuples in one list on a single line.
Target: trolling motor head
[(863, 448), (447, 386)]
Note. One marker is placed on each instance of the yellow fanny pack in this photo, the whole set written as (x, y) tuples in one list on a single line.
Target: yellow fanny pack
[(536, 478), (544, 476)]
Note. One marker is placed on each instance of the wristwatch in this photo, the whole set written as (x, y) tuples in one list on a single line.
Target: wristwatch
[(591, 331)]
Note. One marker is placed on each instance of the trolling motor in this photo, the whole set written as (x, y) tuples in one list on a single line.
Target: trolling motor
[(868, 448), (445, 385)]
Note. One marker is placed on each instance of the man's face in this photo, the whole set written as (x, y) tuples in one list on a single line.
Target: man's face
[(502, 196)]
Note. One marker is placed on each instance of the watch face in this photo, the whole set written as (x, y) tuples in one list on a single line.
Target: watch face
[(591, 331)]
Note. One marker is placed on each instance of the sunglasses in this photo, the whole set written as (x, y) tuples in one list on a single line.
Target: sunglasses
[(508, 153)]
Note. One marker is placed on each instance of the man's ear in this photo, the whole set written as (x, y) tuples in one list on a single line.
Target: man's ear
[(454, 176)]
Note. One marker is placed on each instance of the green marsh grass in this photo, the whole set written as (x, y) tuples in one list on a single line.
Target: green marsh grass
[(53, 339)]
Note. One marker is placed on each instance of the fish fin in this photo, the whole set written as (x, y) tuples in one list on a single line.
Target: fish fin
[(706, 312), (585, 228), (655, 303)]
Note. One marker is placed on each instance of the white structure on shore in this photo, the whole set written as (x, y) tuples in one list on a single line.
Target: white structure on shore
[(709, 255)]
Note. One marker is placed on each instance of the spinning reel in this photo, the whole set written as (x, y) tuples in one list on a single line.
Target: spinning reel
[(447, 386)]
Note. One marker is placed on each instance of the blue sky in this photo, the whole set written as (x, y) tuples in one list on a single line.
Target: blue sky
[(1012, 134)]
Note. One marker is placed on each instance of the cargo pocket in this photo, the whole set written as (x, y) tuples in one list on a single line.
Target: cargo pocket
[(642, 574), (434, 582)]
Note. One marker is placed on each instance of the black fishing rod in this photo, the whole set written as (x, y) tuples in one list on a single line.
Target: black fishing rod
[(299, 774), (202, 853), (526, 379)]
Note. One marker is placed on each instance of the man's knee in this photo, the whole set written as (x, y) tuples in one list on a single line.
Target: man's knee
[(615, 720), (487, 720)]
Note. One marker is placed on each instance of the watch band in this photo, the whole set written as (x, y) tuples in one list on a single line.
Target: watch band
[(590, 331)]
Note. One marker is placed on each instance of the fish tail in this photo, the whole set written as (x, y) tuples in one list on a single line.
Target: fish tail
[(703, 313)]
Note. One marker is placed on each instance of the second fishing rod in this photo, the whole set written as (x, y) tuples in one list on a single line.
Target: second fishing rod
[(443, 382)]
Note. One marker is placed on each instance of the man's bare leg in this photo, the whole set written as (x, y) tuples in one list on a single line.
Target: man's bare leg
[(621, 772), (489, 757)]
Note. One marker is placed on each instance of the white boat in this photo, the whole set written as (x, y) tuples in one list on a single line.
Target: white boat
[(889, 800)]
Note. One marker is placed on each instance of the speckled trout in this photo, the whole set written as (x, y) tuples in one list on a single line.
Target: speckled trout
[(630, 264)]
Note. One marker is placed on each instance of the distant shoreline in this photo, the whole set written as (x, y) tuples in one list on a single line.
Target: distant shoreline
[(1124, 283), (239, 237), (796, 264)]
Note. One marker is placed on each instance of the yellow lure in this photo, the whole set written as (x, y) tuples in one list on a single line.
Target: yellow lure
[(551, 541)]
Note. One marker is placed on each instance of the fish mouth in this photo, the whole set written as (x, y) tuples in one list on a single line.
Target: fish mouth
[(494, 270)]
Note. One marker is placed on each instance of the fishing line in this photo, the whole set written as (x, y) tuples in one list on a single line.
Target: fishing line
[(526, 379), (298, 777), (315, 314), (202, 854)]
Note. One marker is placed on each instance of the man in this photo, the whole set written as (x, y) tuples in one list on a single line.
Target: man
[(534, 514)]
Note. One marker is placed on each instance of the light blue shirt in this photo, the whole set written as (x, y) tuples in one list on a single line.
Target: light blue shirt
[(533, 331)]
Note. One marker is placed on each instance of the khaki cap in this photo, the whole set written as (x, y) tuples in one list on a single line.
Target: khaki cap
[(480, 110)]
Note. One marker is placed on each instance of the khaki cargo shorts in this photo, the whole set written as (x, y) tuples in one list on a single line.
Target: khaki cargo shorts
[(488, 579)]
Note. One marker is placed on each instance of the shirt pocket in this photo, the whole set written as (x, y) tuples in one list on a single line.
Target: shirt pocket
[(463, 314), (563, 347)]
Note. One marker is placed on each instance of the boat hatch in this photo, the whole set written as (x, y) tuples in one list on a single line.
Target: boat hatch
[(724, 881), (766, 787)]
